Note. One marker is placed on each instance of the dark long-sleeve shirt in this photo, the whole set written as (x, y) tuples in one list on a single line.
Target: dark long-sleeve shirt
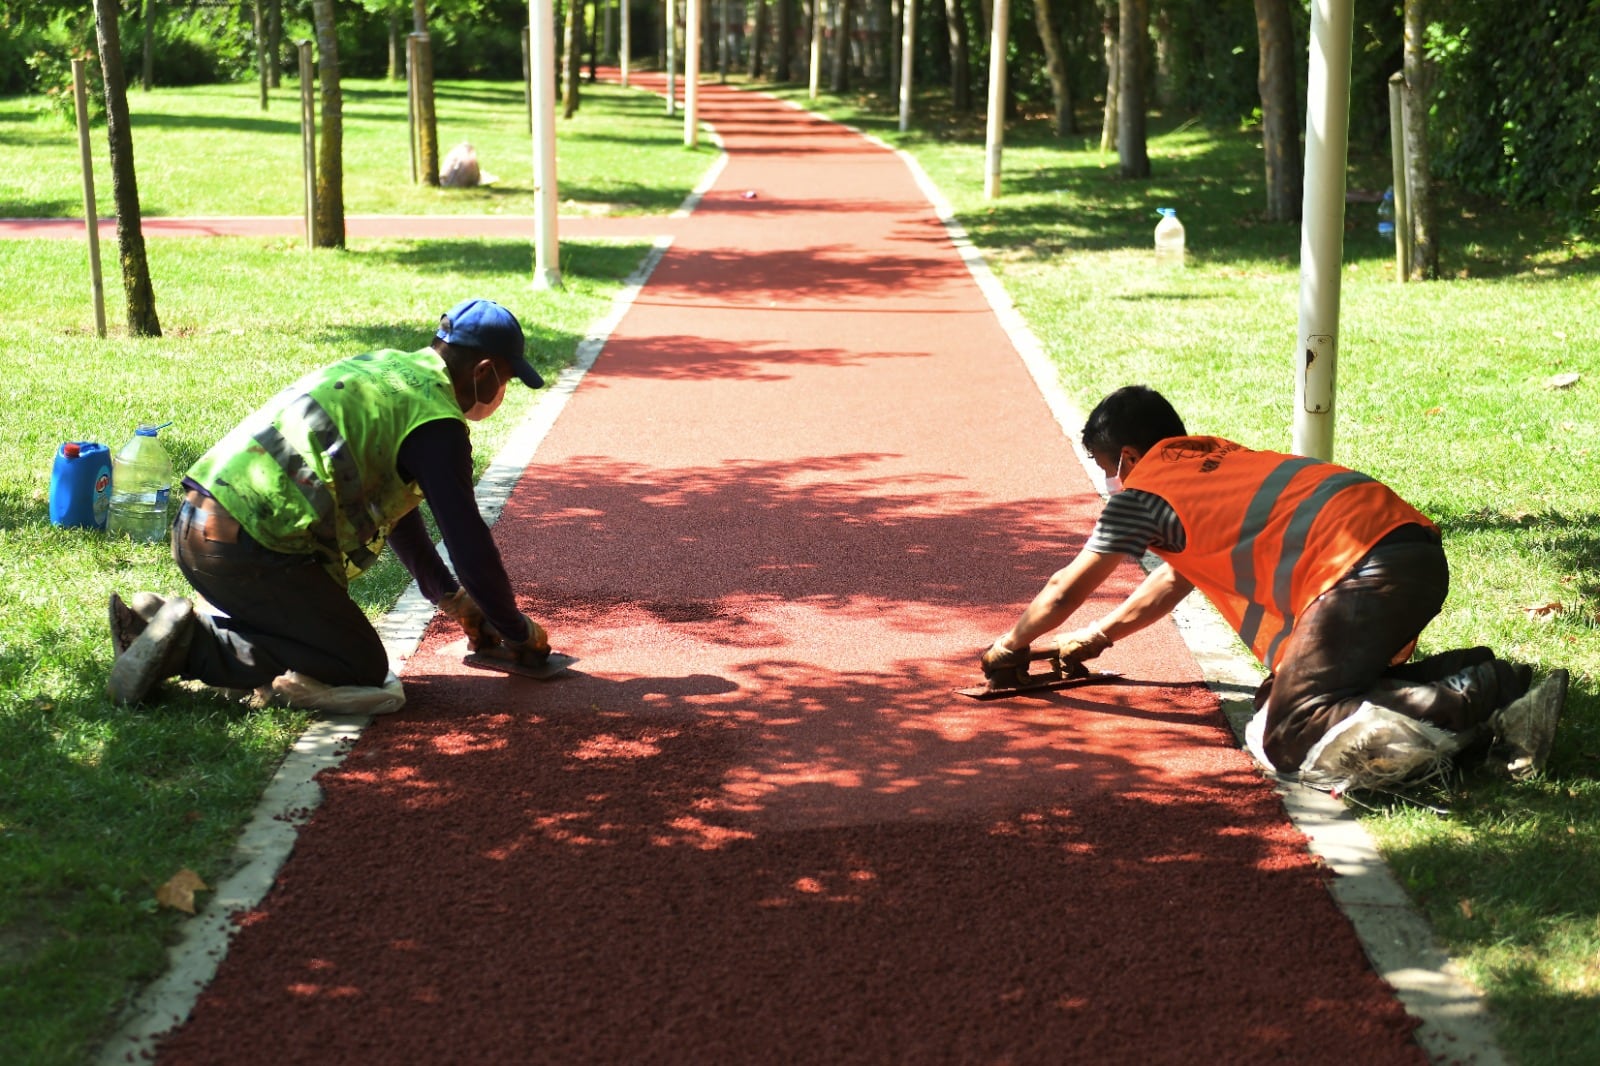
[(438, 457)]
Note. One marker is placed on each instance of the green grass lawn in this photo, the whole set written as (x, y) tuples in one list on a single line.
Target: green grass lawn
[(211, 150), (1442, 393), (98, 804)]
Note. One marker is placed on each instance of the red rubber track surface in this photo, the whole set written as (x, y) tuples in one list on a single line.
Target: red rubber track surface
[(806, 481)]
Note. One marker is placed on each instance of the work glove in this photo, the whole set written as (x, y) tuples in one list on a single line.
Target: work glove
[(1002, 662), (1081, 645), (466, 613), (531, 652)]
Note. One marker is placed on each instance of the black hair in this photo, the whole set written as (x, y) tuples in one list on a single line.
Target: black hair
[(1135, 415), (461, 358)]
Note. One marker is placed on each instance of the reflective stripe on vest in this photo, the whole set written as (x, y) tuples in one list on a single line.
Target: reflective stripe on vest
[(313, 471), (1266, 533)]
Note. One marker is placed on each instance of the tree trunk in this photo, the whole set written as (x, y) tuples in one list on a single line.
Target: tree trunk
[(329, 223), (573, 43), (960, 56), (258, 22), (147, 67), (1132, 150), (1280, 117), (275, 42), (427, 118), (1424, 265), (394, 46), (897, 25), (783, 39), (841, 46), (1055, 65), (141, 296), (1108, 42), (758, 33)]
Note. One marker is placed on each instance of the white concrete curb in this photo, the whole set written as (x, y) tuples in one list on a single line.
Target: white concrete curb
[(1455, 1023), (293, 793)]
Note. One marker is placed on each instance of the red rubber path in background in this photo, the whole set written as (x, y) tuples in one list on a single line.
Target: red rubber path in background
[(806, 481)]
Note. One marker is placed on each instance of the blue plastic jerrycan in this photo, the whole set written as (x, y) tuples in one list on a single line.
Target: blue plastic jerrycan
[(80, 485)]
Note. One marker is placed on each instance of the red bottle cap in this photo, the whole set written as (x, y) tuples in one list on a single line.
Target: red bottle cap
[(71, 449)]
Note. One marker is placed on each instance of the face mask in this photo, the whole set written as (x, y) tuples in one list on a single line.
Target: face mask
[(482, 408), (1114, 482)]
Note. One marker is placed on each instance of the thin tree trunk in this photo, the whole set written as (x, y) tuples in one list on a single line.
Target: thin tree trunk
[(427, 119), (141, 297), (758, 33), (574, 50), (841, 46), (1108, 41), (275, 42), (783, 39), (1280, 117), (960, 56), (1055, 65), (897, 21), (1424, 265), (1132, 149), (329, 222), (394, 46), (147, 68)]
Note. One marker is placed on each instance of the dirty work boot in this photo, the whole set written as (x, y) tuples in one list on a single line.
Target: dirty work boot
[(129, 619), (154, 654), (1524, 729)]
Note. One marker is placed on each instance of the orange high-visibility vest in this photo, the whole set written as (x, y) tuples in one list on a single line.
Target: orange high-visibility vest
[(1266, 533)]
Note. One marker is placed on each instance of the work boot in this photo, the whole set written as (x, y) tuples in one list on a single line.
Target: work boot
[(158, 652), (129, 619), (1524, 730)]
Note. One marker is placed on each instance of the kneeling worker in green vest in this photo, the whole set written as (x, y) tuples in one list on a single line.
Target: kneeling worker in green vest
[(302, 496), (1326, 574)]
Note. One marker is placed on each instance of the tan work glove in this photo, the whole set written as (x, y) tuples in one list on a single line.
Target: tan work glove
[(999, 661), (469, 616), (530, 652), (1081, 645)]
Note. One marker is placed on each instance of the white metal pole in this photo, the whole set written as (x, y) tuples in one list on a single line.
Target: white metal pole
[(672, 57), (908, 50), (997, 99), (1322, 225), (627, 40), (542, 61), (91, 218), (691, 75), (818, 20)]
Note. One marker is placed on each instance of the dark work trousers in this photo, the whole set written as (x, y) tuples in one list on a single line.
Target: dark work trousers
[(1338, 656), (275, 612)]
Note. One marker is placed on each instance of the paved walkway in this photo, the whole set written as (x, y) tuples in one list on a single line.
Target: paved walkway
[(805, 482)]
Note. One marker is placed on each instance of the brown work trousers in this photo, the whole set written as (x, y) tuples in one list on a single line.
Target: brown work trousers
[(1339, 654)]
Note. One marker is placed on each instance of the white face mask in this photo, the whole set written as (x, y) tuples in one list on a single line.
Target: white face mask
[(482, 408), (1114, 482)]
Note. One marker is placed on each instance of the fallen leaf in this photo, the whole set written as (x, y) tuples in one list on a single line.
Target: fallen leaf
[(1466, 909), (1562, 381), (1542, 612), (178, 892), (1430, 412)]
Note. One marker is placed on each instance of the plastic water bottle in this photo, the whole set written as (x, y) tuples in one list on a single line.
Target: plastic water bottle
[(1386, 215), (1169, 238), (141, 485), (80, 485)]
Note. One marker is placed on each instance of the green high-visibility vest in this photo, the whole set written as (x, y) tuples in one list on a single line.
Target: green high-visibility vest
[(313, 471)]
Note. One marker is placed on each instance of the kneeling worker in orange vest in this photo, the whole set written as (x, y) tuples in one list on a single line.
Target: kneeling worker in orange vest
[(1327, 575)]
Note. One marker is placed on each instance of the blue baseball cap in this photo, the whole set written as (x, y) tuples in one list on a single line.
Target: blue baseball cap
[(485, 325)]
